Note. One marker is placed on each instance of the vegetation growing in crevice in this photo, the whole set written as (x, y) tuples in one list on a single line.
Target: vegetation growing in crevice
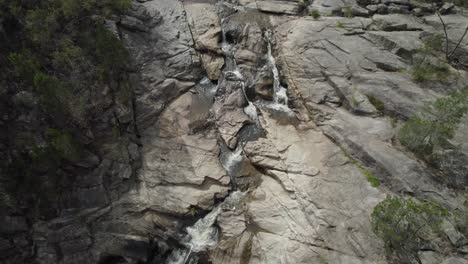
[(315, 14), (426, 64), (371, 178), (405, 225), (376, 103), (348, 12)]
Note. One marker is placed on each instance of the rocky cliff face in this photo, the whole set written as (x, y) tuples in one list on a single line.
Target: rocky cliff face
[(256, 131)]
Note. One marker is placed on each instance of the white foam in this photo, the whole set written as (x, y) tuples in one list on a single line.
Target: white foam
[(251, 111), (280, 96)]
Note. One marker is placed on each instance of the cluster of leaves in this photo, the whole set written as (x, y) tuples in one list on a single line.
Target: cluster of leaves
[(426, 65), (315, 14), (405, 224), (348, 11), (435, 125), (61, 52)]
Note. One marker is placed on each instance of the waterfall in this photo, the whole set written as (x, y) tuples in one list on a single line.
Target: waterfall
[(232, 160), (235, 75), (280, 97), (203, 235)]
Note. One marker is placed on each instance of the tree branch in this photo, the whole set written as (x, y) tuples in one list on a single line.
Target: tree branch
[(459, 42), (446, 35)]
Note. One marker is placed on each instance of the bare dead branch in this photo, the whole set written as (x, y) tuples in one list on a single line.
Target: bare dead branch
[(459, 43), (446, 35)]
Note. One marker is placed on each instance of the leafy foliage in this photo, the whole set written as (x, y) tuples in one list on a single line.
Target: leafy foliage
[(403, 225), (426, 65), (59, 52), (435, 125), (427, 71), (315, 14), (348, 12), (376, 103)]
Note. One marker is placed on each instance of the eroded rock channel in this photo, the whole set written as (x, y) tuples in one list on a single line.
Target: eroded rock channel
[(248, 113)]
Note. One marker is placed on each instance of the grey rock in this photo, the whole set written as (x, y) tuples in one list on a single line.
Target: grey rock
[(133, 23), (446, 8), (359, 11), (372, 8), (455, 260), (398, 9), (398, 2), (331, 6), (430, 257), (206, 32), (280, 7), (455, 237), (397, 22), (357, 101)]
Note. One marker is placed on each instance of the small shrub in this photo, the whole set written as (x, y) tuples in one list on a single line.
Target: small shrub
[(322, 260), (433, 43), (64, 144), (425, 65), (110, 53), (435, 125), (303, 4), (53, 93), (404, 225), (25, 65), (371, 178), (339, 25), (315, 14), (426, 71), (348, 12), (376, 103)]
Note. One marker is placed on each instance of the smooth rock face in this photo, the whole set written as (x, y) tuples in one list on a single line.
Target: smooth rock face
[(209, 121)]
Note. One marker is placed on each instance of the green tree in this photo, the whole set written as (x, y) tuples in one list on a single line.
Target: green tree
[(60, 54), (404, 225), (435, 125)]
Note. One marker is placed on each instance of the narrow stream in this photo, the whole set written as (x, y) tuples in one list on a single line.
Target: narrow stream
[(203, 235), (280, 97)]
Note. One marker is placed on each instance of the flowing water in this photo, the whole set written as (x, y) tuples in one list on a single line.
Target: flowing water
[(200, 237), (235, 75), (232, 159), (203, 235), (280, 97)]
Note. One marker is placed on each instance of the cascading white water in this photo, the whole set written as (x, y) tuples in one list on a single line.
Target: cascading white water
[(208, 88), (203, 235), (250, 110), (280, 97), (233, 159)]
